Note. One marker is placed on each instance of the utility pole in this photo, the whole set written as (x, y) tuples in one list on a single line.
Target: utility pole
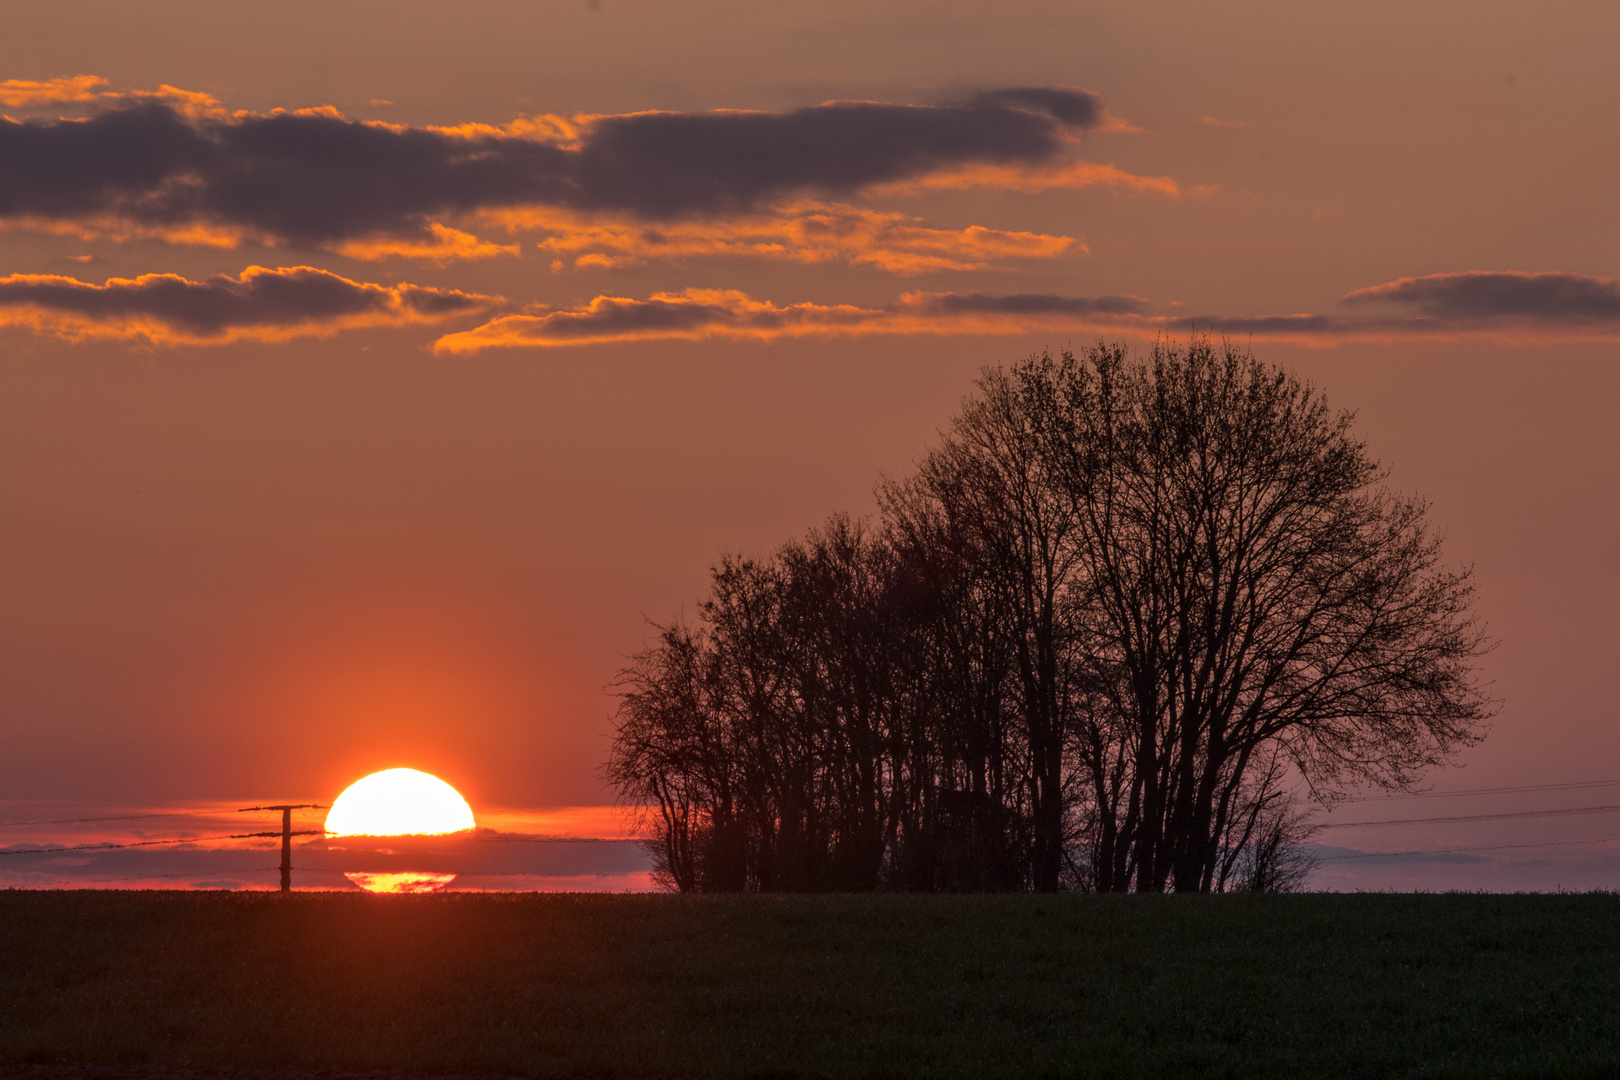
[(286, 834)]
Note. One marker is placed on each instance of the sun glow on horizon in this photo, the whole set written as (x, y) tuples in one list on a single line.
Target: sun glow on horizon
[(399, 802), (409, 882)]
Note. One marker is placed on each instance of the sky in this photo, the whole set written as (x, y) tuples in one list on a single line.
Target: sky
[(370, 374)]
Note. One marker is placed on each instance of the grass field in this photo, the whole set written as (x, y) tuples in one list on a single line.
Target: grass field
[(949, 986)]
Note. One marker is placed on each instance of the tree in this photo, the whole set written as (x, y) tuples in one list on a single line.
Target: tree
[(1106, 627), (990, 486), (1251, 593)]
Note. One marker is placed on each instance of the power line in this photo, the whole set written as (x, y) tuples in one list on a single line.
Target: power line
[(1571, 786), (143, 817), (154, 877), (458, 874), (536, 873), (511, 839), (1574, 811), (117, 817), (154, 843), (286, 834), (1456, 851)]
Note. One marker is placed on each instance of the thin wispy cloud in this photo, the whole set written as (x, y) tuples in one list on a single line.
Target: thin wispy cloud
[(1016, 305), (1545, 299), (728, 314), (260, 304), (1451, 306), (802, 233), (1032, 179), (280, 304), (1505, 305)]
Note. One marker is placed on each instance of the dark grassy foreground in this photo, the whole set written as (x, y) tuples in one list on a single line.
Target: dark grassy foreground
[(631, 986)]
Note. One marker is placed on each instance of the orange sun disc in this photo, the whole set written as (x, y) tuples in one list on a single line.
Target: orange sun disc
[(398, 802)]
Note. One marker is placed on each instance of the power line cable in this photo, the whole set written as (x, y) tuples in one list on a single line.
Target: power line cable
[(154, 843), (1456, 851), (514, 839), (116, 817), (130, 817), (1571, 786), (536, 873), (1574, 811), (151, 877)]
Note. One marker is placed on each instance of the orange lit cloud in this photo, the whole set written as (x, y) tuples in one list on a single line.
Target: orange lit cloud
[(1044, 177), (440, 245), (86, 90), (700, 314), (28, 93), (122, 230), (805, 233), (692, 315), (1495, 305), (178, 165), (259, 305)]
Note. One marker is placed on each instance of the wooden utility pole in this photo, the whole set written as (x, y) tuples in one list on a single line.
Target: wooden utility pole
[(286, 834)]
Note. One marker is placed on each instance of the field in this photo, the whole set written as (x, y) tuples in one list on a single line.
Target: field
[(966, 986)]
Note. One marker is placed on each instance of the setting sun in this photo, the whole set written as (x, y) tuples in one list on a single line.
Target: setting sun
[(399, 802)]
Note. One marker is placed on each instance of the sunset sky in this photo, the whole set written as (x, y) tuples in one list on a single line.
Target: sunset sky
[(371, 372)]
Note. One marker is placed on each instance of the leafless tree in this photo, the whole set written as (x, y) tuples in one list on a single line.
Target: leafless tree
[(1251, 590), (990, 484), (1106, 627)]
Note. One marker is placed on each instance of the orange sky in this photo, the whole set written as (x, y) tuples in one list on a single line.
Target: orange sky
[(405, 493)]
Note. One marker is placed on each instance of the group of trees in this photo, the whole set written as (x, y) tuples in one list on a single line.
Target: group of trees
[(1097, 639)]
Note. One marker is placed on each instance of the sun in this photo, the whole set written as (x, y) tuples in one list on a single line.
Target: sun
[(399, 802)]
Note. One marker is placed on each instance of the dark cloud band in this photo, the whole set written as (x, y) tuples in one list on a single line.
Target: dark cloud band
[(263, 302), (266, 304), (319, 178), (1502, 295), (1553, 306), (699, 314)]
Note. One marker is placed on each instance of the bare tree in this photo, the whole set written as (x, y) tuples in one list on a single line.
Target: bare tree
[(990, 484), (1251, 590), (1107, 627)]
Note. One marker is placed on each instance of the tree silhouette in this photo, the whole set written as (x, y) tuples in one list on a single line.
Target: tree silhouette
[(1101, 630)]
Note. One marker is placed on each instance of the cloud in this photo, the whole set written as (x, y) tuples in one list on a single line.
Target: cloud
[(1492, 304), (1300, 327), (170, 163), (702, 314), (437, 244), (1482, 296), (36, 94), (260, 305), (28, 94), (1451, 306), (692, 315), (275, 305), (663, 165), (1022, 304), (1070, 105), (803, 233), (1044, 177)]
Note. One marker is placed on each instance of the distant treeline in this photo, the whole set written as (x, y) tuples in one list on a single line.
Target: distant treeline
[(1096, 640)]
